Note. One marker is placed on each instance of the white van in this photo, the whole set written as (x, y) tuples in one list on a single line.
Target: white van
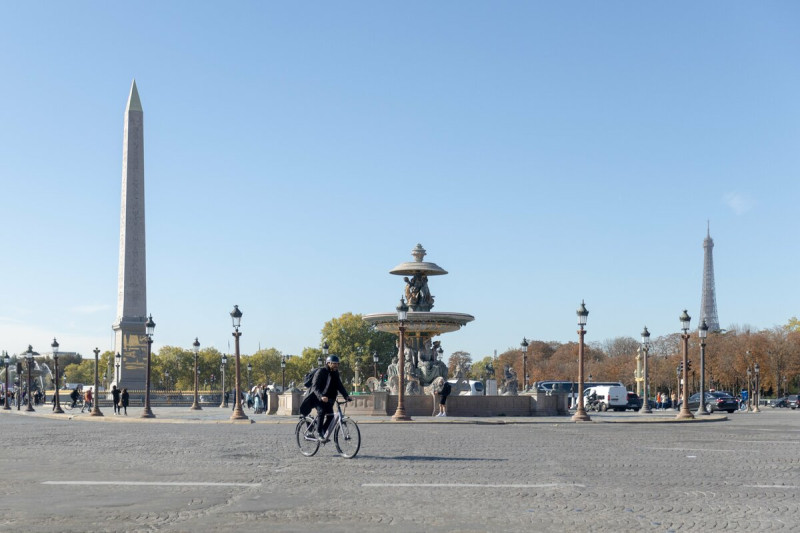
[(608, 397), (475, 388)]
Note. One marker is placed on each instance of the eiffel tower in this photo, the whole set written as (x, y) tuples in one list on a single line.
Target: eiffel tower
[(708, 305)]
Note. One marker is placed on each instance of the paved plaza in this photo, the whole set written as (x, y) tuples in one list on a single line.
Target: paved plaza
[(194, 471)]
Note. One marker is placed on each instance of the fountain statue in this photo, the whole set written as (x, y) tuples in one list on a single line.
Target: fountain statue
[(421, 351)]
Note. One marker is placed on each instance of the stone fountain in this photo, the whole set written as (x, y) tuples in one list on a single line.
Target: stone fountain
[(422, 365)]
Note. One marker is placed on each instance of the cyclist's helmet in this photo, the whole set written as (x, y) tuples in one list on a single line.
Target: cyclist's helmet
[(332, 359)]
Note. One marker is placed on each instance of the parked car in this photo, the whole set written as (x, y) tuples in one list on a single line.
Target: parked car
[(779, 402), (793, 401), (634, 401), (715, 401)]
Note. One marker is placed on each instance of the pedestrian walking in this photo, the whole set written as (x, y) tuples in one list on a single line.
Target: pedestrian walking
[(115, 393), (124, 398), (87, 400)]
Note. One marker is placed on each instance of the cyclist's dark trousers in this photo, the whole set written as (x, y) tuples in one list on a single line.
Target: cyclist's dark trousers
[(325, 413)]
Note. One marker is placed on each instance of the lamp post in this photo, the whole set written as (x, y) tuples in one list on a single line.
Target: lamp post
[(95, 403), (56, 399), (249, 371), (685, 413), (17, 393), (645, 409), (196, 405), (223, 401), (238, 413), (580, 415), (6, 361), (524, 345), (702, 332), (150, 328), (402, 314), (29, 355), (375, 366), (749, 389), (785, 391), (756, 391), (118, 361), (324, 354), (283, 373)]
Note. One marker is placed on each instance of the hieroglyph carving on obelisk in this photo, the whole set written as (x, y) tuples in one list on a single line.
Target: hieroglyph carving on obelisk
[(129, 329)]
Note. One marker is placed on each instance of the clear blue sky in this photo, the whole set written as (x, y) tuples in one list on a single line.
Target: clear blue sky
[(542, 152)]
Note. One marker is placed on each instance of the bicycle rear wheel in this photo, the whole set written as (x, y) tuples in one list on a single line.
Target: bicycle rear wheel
[(347, 438), (306, 438)]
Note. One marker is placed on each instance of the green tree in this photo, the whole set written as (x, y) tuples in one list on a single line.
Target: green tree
[(354, 340)]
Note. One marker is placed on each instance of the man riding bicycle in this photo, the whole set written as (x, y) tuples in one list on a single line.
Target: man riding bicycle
[(322, 395)]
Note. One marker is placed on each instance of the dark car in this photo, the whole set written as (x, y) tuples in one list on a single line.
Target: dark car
[(634, 402), (715, 401), (779, 402), (793, 401)]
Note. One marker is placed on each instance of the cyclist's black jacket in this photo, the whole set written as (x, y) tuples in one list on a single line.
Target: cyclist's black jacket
[(335, 386)]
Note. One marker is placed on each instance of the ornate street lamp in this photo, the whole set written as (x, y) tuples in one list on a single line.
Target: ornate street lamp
[(375, 366), (756, 391), (150, 328), (223, 401), (749, 388), (581, 415), (702, 332), (402, 315), (6, 361), (96, 402), (524, 345), (685, 413), (29, 355), (56, 399), (238, 413), (646, 395), (196, 349), (249, 371), (283, 373), (118, 361)]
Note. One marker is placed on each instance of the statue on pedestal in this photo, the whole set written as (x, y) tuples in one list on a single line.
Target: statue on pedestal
[(510, 383)]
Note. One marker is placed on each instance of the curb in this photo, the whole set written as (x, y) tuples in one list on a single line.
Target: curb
[(291, 420)]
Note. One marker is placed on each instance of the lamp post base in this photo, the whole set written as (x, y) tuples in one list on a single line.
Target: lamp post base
[(685, 414), (30, 408), (239, 414), (645, 410), (400, 416), (195, 407), (581, 416), (95, 410), (147, 413), (701, 411)]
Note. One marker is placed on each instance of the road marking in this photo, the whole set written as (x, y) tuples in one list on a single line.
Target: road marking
[(476, 485), (772, 486), (153, 483), (700, 450)]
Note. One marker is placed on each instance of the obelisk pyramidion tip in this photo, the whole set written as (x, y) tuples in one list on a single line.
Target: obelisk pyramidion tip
[(134, 104)]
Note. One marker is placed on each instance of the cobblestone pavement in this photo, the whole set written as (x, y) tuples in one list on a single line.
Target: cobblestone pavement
[(543, 474)]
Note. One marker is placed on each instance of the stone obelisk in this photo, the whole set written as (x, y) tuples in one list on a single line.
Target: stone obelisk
[(130, 338)]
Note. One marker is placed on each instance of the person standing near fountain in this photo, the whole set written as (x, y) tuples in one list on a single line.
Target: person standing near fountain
[(443, 394)]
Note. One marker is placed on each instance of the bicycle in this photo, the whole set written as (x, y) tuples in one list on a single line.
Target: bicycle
[(346, 435)]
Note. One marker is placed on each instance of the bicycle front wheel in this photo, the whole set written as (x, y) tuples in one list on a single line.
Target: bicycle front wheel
[(347, 438), (306, 438)]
